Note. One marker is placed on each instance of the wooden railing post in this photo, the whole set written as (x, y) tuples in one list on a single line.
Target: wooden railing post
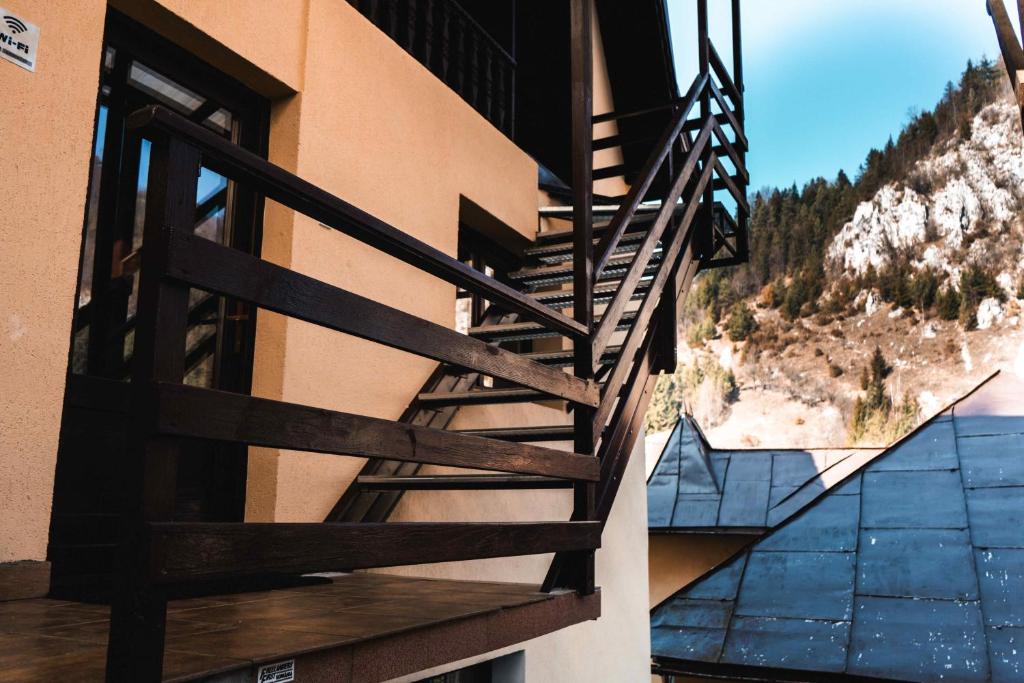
[(737, 79), (704, 234), (139, 609), (580, 573)]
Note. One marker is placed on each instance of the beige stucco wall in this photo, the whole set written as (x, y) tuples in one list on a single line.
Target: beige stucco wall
[(358, 116), (675, 560), (43, 187), (379, 130)]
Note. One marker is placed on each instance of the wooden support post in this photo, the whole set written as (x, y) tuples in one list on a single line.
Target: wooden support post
[(742, 246), (704, 231), (580, 572), (136, 640)]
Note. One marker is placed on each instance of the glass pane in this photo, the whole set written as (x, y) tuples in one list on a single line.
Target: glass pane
[(89, 242), (163, 89), (212, 193), (220, 121)]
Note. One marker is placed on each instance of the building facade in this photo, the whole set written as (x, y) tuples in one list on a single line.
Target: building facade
[(387, 173)]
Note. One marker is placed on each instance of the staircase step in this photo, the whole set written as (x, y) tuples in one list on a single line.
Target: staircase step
[(509, 332), (563, 272), (560, 250), (565, 358), (521, 434), (460, 482), (440, 399), (602, 295), (564, 237)]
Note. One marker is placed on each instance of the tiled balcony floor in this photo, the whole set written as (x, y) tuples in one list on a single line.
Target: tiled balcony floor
[(352, 627)]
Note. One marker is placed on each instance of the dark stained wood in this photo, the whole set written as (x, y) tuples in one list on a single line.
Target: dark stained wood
[(135, 650), (723, 74), (24, 579), (613, 313), (581, 60), (480, 397), (209, 414), (361, 627), (554, 433), (300, 195), (737, 127), (190, 552), (683, 237), (457, 482), (731, 184), (210, 266), (638, 190)]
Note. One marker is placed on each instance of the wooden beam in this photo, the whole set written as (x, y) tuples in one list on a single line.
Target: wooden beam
[(476, 397), (627, 210), (278, 184), (674, 253), (582, 107), (460, 482), (612, 314), (227, 271), (187, 552), (226, 416)]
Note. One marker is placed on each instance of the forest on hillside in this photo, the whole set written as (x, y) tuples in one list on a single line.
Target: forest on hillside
[(791, 230)]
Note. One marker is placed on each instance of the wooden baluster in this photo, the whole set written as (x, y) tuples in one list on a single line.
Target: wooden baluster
[(427, 37), (474, 67), (137, 623), (703, 235), (737, 78), (488, 86), (410, 27), (460, 55), (579, 572), (499, 98)]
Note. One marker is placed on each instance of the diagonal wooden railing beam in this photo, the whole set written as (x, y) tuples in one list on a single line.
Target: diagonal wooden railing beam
[(672, 253), (287, 188), (627, 210), (613, 313), (216, 268)]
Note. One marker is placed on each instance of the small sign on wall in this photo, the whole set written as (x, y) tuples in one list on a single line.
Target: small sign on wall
[(19, 40)]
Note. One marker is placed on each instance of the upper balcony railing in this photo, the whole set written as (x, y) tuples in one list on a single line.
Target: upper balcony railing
[(443, 37)]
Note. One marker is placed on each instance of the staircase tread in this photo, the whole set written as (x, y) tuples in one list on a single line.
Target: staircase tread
[(566, 268), (461, 481), (498, 328), (566, 431)]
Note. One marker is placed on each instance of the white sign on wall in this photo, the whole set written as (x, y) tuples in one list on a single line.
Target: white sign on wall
[(19, 40)]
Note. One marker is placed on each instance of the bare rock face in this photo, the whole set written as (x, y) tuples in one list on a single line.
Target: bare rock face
[(966, 207), (990, 312)]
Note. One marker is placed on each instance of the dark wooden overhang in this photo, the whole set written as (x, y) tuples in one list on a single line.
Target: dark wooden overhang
[(638, 54)]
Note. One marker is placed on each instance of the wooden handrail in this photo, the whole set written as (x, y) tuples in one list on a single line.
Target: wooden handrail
[(729, 149), (188, 411), (613, 313), (204, 551), (287, 188), (723, 74), (216, 268), (648, 173), (638, 331), (737, 127)]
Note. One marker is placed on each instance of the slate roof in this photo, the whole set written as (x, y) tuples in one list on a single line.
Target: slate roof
[(696, 488), (912, 569)]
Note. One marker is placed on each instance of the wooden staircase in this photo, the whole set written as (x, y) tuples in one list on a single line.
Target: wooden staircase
[(629, 268)]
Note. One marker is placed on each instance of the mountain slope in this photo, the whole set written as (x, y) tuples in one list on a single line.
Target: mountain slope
[(920, 257)]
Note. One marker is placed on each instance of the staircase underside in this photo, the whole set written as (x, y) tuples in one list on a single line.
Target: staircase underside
[(348, 627)]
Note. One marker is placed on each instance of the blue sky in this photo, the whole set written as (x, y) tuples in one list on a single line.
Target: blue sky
[(828, 79)]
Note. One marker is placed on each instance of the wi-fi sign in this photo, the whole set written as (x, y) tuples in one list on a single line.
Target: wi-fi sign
[(15, 24)]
